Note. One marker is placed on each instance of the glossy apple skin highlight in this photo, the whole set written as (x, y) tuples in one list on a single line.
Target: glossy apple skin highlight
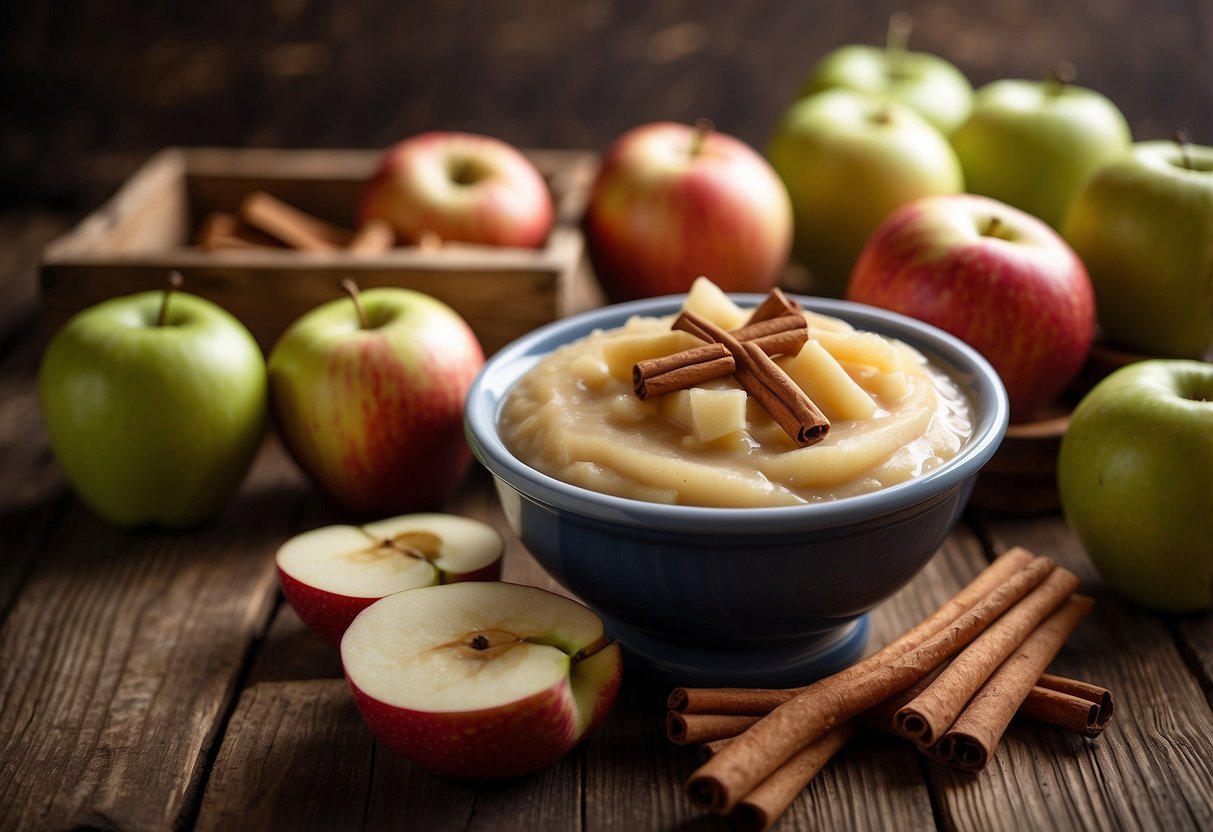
[(374, 416), (462, 187), (1022, 298), (661, 214), (1135, 476), (154, 425)]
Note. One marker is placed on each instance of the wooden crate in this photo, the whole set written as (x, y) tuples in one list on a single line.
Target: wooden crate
[(147, 228)]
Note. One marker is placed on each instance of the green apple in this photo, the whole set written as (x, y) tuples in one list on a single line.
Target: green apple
[(480, 681), (849, 159), (367, 395), (927, 83), (1033, 144), (155, 405), (1144, 227), (1135, 477)]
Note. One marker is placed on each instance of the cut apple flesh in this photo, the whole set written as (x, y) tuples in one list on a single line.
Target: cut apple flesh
[(476, 646), (391, 555)]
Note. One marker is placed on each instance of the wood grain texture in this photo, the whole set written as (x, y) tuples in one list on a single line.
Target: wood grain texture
[(121, 655), (295, 755), (1152, 768)]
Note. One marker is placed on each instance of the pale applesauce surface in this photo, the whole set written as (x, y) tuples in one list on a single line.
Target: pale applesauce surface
[(576, 417)]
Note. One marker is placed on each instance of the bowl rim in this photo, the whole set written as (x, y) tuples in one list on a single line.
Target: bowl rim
[(972, 372)]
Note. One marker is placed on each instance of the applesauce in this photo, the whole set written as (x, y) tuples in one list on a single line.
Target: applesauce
[(576, 417)]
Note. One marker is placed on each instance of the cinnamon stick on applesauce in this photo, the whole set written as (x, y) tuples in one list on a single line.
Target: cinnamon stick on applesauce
[(765, 381), (784, 335)]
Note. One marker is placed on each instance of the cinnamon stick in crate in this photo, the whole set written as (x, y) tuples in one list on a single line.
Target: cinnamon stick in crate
[(290, 225), (765, 381), (374, 237), (750, 701), (932, 712), (972, 738), (222, 231), (721, 782)]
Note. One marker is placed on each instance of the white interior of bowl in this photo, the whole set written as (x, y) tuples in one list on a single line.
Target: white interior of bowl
[(965, 365)]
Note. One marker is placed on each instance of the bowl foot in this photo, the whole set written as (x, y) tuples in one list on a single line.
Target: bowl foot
[(774, 666)]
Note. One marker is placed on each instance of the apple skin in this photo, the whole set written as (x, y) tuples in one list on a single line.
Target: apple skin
[(850, 159), (662, 213), (1135, 476), (1144, 227), (1021, 297), (493, 742), (1033, 144), (327, 612), (927, 83), (375, 416), (461, 187), (154, 425)]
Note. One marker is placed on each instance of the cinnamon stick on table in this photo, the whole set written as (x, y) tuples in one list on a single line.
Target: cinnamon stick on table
[(972, 738), (750, 701), (932, 712), (726, 778), (1049, 702)]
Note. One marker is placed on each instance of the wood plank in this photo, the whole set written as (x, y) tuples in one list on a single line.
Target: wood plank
[(296, 755), (119, 659), (1152, 768)]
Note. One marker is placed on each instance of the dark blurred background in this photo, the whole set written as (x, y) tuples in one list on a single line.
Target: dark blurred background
[(92, 86)]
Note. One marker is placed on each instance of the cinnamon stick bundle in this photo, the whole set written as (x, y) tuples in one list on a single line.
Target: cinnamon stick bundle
[(1048, 703), (721, 782), (932, 712), (971, 739), (750, 701)]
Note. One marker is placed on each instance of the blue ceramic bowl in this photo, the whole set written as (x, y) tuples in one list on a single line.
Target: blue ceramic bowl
[(754, 596)]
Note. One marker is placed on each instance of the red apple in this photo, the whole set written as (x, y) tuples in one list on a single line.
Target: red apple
[(995, 277), (367, 395), (460, 187), (331, 574), (672, 202), (480, 680)]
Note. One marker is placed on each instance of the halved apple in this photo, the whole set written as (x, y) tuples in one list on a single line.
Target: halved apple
[(331, 574), (480, 681)]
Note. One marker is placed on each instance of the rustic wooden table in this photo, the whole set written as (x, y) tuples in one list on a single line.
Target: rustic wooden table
[(153, 680)]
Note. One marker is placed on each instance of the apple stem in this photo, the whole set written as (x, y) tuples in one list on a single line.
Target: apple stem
[(1182, 139), (175, 282), (1060, 75), (703, 126), (351, 288), (897, 39)]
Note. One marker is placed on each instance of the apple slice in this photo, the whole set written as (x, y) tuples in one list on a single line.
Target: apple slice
[(480, 681), (331, 574)]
